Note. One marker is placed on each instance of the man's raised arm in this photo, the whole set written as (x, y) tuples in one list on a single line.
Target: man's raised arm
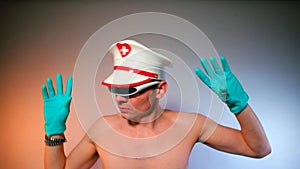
[(251, 140), (56, 111)]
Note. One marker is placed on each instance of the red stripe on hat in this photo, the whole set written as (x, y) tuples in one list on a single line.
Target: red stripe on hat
[(137, 71)]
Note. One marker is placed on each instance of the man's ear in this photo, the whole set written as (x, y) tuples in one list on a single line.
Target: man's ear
[(161, 89)]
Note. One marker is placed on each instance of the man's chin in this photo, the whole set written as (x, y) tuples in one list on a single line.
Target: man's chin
[(130, 118), (126, 116)]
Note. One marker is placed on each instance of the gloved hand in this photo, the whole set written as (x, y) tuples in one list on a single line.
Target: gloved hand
[(56, 105), (224, 84)]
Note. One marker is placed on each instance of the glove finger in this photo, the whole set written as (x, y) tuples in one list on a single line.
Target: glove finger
[(45, 92), (225, 64), (50, 87), (215, 65), (203, 77), (206, 67), (59, 84), (69, 99), (69, 86)]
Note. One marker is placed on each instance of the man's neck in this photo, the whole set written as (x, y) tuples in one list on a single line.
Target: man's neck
[(149, 121)]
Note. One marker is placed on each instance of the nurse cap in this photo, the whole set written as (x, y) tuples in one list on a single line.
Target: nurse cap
[(136, 67)]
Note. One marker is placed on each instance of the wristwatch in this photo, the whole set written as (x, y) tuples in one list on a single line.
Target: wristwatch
[(51, 141)]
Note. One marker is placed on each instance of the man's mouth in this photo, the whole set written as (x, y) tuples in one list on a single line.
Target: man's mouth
[(124, 109)]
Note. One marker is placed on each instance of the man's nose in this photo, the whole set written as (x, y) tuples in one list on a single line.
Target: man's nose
[(121, 99)]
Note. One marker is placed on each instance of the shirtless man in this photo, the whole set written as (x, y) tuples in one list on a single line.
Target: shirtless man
[(138, 85)]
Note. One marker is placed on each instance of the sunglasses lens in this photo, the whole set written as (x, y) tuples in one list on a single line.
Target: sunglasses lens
[(122, 91)]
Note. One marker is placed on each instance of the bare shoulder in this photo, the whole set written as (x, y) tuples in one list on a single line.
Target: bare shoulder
[(190, 125), (189, 121), (105, 121), (102, 130), (185, 116)]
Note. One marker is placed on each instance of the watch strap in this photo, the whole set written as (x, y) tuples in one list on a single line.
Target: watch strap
[(52, 141)]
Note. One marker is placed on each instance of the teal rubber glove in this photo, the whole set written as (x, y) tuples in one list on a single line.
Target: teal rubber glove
[(56, 105), (223, 83)]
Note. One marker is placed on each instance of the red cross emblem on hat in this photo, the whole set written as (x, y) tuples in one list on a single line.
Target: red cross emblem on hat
[(124, 49)]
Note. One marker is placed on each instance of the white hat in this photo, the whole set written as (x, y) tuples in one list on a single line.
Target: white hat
[(136, 67)]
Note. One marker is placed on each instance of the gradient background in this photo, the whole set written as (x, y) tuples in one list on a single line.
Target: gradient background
[(260, 39)]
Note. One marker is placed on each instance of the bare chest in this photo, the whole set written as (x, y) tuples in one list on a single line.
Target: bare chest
[(119, 148), (175, 158)]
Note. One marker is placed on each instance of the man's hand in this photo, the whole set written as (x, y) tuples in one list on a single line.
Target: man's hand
[(224, 84), (56, 105)]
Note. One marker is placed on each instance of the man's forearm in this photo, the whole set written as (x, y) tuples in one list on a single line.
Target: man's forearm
[(54, 157), (253, 132)]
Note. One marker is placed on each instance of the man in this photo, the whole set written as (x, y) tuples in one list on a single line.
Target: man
[(142, 135)]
